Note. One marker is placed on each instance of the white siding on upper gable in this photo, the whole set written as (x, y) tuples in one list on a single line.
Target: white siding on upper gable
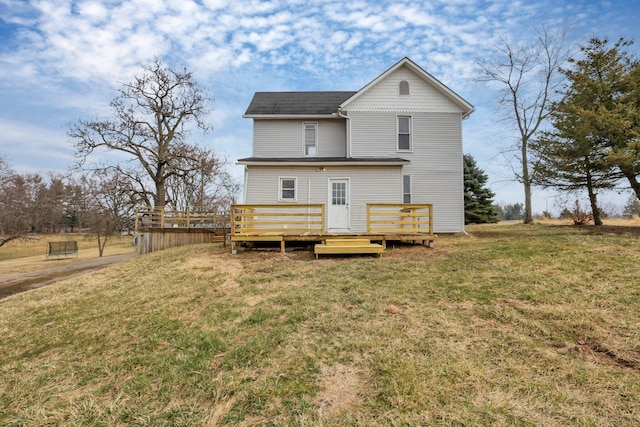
[(368, 184), (285, 138), (384, 96)]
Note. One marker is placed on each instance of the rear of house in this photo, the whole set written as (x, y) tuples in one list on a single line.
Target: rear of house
[(397, 140)]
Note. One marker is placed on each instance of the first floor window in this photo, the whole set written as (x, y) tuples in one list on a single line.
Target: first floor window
[(404, 133), (406, 188), (287, 189)]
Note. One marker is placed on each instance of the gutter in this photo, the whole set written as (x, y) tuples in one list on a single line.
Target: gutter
[(319, 161), (291, 116)]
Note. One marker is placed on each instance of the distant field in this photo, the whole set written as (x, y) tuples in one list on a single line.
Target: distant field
[(509, 325), (30, 253)]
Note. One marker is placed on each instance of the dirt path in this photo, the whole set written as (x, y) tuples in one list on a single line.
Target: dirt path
[(19, 282)]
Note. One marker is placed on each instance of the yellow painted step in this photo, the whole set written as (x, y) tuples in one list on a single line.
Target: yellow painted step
[(348, 246), (347, 242)]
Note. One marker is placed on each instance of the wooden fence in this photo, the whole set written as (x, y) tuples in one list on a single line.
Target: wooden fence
[(162, 228), (148, 217), (157, 240)]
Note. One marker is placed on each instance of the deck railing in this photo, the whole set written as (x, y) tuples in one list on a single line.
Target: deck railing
[(277, 218), (148, 217), (399, 218)]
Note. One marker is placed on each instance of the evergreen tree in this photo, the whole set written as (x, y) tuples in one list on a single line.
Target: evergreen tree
[(478, 203), (592, 144), (632, 208), (510, 211)]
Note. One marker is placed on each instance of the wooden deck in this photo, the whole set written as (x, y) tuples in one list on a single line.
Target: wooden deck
[(282, 223)]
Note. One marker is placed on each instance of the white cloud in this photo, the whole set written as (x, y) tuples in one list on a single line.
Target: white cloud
[(65, 54)]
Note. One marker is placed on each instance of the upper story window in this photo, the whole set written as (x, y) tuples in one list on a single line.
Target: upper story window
[(310, 139), (287, 190), (403, 88), (404, 133)]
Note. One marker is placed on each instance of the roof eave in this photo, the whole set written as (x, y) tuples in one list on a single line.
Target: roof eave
[(291, 116)]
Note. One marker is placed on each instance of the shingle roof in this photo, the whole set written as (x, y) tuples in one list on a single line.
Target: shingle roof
[(296, 103)]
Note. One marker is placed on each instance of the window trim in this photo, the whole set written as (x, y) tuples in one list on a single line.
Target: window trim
[(405, 194), (304, 138), (410, 133), (281, 180)]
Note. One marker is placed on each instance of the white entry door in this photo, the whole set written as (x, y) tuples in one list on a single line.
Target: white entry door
[(338, 213)]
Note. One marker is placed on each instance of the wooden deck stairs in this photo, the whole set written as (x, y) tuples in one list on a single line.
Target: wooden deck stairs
[(347, 246)]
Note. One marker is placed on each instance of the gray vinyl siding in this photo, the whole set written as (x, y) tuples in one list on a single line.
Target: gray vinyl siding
[(436, 158), (436, 168), (284, 138), (373, 134), (370, 184)]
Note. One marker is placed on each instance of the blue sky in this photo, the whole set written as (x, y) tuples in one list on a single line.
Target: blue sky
[(61, 59)]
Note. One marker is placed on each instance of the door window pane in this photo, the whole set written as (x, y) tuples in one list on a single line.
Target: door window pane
[(338, 193)]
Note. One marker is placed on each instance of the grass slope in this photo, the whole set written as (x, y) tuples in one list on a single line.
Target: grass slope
[(512, 325)]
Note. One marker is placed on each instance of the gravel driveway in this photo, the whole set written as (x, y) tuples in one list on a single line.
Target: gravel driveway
[(19, 282)]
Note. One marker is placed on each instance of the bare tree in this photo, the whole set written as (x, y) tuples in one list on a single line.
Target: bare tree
[(527, 75), (150, 125), (111, 209), (26, 204), (208, 185), (8, 231)]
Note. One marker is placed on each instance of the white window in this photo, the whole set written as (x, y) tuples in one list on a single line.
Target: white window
[(403, 88), (404, 133), (406, 188), (287, 191), (310, 139)]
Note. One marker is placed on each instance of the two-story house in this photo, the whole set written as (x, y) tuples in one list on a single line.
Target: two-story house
[(396, 140)]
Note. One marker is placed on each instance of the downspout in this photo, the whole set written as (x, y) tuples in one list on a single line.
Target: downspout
[(244, 190), (308, 203), (464, 117), (348, 129)]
